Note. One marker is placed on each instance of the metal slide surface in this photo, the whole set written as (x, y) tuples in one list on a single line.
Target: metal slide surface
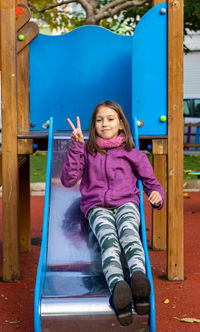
[(71, 292)]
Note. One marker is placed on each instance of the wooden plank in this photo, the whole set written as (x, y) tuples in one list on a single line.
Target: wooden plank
[(23, 89), (24, 207), (175, 141), (23, 125), (0, 38), (11, 269), (22, 160), (192, 125), (159, 217), (29, 31), (157, 2), (159, 146), (192, 145), (23, 18), (25, 146)]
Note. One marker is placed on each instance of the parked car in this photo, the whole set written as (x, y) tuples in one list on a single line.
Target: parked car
[(191, 111)]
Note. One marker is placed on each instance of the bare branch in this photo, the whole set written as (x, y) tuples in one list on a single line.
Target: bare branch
[(115, 3), (42, 10), (84, 4), (90, 7), (111, 12)]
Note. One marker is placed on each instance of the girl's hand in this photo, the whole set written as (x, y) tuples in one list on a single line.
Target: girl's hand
[(77, 134), (155, 198)]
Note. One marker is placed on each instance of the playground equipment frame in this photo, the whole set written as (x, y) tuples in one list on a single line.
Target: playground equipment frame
[(16, 148)]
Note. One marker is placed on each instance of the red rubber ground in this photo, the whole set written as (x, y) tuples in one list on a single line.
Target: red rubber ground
[(16, 299)]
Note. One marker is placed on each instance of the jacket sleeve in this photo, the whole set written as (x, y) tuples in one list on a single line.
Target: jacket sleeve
[(144, 171), (74, 165)]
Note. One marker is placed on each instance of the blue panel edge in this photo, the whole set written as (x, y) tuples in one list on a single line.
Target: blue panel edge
[(43, 252), (160, 128)]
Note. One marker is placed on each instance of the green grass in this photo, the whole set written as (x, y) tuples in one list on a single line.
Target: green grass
[(38, 163), (191, 162)]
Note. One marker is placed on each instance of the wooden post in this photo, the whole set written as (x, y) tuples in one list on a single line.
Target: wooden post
[(159, 220), (11, 269), (0, 35), (23, 125), (24, 207), (175, 140)]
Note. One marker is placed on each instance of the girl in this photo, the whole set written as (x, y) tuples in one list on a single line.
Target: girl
[(109, 166)]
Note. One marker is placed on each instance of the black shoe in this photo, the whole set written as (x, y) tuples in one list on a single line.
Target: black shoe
[(141, 291), (120, 301)]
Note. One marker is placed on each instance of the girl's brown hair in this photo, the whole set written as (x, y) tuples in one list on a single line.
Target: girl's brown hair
[(92, 145)]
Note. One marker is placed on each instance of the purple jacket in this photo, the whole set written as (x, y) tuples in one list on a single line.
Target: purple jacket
[(111, 180)]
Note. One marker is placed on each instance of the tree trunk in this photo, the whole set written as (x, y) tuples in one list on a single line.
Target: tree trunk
[(90, 20)]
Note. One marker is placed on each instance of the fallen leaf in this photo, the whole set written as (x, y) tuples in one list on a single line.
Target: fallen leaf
[(188, 320), (166, 301), (15, 322)]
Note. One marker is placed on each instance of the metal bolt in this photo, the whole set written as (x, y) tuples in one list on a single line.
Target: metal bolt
[(32, 124), (140, 123), (163, 11)]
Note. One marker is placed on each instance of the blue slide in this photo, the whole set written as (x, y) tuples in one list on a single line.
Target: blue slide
[(71, 292)]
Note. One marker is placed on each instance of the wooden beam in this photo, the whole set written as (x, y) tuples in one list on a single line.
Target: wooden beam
[(192, 145), (11, 270), (175, 141), (159, 146), (29, 31), (23, 126), (157, 2), (0, 36), (22, 160), (159, 217), (24, 207), (23, 89), (24, 18), (25, 146), (191, 124)]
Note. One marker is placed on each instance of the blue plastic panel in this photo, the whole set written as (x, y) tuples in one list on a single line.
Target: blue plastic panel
[(71, 73), (149, 80)]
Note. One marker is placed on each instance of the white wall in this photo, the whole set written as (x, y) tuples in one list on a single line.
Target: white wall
[(192, 64)]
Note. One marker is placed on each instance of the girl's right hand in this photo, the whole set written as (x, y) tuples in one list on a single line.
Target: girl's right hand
[(77, 134)]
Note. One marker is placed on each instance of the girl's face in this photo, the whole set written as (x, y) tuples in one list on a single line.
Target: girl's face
[(107, 123)]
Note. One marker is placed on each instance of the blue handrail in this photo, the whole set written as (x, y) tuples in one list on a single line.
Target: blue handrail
[(43, 253), (144, 240)]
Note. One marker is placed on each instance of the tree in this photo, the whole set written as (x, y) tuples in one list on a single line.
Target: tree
[(118, 15), (92, 12), (191, 14)]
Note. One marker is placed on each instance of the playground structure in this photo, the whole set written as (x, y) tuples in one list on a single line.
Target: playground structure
[(17, 138)]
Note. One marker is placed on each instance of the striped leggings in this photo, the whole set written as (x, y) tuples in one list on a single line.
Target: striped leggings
[(116, 228)]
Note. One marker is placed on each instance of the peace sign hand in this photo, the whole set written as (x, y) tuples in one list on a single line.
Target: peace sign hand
[(77, 134)]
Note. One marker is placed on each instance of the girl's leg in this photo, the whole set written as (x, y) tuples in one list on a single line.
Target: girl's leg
[(128, 223), (102, 223)]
